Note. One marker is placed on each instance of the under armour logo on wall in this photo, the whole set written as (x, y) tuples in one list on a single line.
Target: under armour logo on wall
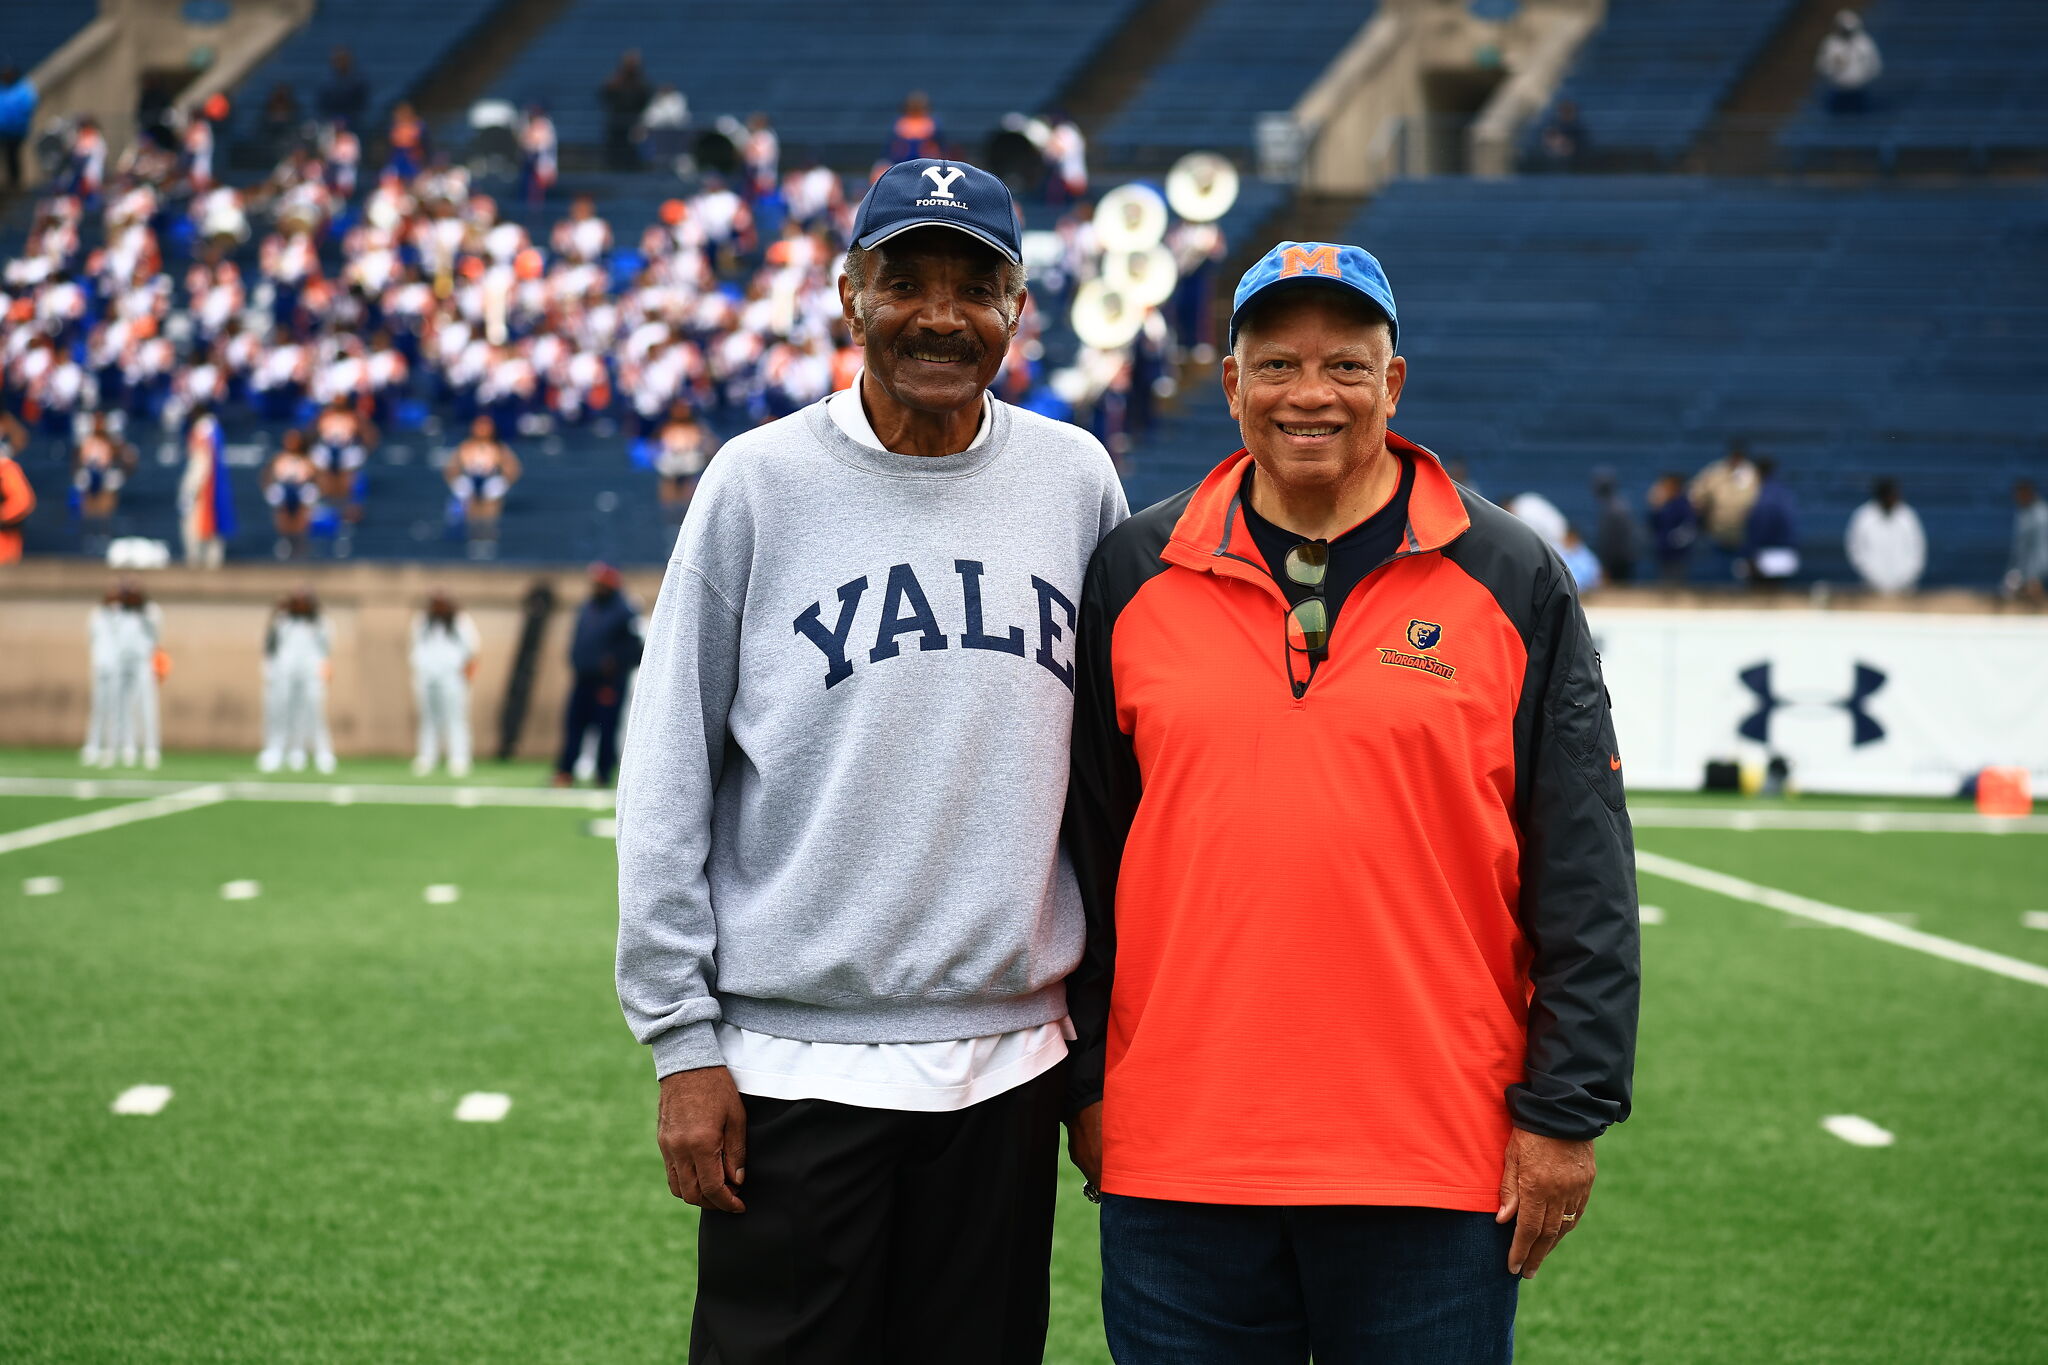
[(1757, 726), (942, 178)]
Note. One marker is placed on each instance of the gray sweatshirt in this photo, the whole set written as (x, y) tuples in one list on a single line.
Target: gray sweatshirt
[(840, 801)]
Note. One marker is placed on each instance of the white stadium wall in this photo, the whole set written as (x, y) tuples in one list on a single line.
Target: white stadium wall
[(1864, 701)]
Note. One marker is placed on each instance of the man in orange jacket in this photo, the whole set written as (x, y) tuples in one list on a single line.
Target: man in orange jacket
[(17, 499), (1347, 813)]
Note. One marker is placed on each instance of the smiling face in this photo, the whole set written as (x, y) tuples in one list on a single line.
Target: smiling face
[(1312, 383), (933, 315)]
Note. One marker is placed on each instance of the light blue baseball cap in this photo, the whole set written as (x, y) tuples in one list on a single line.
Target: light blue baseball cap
[(1296, 263)]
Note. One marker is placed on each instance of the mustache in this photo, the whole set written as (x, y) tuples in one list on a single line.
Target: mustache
[(944, 347)]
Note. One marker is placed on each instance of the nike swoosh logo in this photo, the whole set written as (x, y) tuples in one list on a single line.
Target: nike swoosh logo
[(1614, 763)]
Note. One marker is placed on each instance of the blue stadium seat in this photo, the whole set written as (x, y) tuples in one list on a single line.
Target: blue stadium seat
[(31, 32), (1242, 58), (395, 43), (1956, 78), (832, 75), (1649, 79)]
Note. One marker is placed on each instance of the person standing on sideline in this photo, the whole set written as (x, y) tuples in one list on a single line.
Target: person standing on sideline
[(844, 913), (297, 662), (1770, 547), (602, 654), (1618, 536), (1341, 751), (1674, 526), (1885, 542), (444, 649), (1721, 496), (125, 631), (206, 500), (2027, 575)]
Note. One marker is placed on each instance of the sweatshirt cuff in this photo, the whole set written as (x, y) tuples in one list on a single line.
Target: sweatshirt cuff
[(689, 1047), (1560, 1118)]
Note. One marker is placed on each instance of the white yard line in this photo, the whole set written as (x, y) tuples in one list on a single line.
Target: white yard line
[(1855, 921), (1836, 821), (181, 799), (324, 793)]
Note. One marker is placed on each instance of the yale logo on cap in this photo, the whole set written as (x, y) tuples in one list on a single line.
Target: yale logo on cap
[(942, 178), (1301, 261)]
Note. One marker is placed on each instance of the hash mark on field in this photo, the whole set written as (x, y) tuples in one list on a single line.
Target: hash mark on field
[(2034, 919), (1857, 1131), (602, 829), (42, 886), (241, 891), (441, 893), (142, 1099), (1820, 912), (482, 1106), (1650, 914)]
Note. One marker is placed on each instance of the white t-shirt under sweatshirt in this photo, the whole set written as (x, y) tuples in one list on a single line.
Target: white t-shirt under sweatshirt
[(921, 1077)]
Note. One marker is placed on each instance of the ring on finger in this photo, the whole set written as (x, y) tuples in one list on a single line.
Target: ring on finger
[(1569, 1218)]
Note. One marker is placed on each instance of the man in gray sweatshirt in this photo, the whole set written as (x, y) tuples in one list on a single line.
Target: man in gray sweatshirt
[(845, 916)]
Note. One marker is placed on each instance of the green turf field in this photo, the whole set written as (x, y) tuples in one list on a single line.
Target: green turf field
[(308, 1196)]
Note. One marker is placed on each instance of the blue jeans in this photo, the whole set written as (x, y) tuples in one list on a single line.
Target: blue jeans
[(1230, 1284)]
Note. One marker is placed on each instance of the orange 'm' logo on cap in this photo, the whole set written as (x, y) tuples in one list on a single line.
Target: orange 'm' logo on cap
[(1299, 261)]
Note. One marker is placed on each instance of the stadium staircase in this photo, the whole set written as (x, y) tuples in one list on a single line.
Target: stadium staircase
[(1742, 138), (1653, 75)]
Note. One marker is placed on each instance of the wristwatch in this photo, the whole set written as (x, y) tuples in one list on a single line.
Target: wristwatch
[(1090, 1191)]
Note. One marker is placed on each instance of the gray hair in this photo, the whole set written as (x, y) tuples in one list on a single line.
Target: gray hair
[(860, 268)]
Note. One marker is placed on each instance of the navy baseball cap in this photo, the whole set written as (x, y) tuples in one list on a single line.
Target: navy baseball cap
[(929, 193), (1296, 263)]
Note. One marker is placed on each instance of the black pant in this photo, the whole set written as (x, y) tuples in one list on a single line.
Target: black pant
[(879, 1237), (593, 701), (10, 157)]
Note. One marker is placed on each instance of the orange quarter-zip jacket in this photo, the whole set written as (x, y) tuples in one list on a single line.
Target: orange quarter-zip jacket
[(1340, 941)]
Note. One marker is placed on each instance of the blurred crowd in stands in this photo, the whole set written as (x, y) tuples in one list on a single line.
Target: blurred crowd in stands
[(338, 301), (339, 306), (1743, 520)]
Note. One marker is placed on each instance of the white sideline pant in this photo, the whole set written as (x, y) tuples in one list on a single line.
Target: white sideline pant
[(443, 697), (135, 707), (295, 713), (101, 734)]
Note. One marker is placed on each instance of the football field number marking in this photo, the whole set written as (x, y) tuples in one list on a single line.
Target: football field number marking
[(183, 799), (482, 1106), (42, 886), (142, 1099), (1855, 921), (1857, 1131)]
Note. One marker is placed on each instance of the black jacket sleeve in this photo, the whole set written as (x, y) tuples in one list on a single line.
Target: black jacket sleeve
[(1102, 800), (1578, 885)]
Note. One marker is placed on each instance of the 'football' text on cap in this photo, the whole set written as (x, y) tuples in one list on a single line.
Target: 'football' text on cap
[(935, 193)]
